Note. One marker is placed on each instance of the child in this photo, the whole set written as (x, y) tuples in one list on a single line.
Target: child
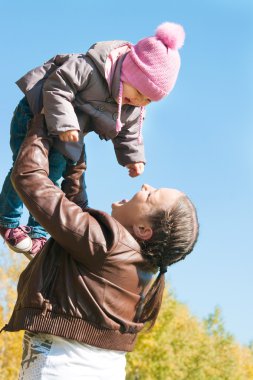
[(105, 91)]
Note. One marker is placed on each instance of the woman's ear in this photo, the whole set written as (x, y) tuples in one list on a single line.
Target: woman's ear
[(142, 232)]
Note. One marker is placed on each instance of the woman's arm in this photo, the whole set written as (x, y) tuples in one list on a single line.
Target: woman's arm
[(76, 231), (73, 182)]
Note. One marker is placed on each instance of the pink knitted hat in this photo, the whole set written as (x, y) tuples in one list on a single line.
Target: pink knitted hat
[(153, 64)]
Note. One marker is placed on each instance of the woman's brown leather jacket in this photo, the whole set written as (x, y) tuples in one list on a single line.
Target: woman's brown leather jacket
[(87, 282)]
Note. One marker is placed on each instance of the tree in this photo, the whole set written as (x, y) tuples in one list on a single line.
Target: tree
[(10, 343), (180, 347)]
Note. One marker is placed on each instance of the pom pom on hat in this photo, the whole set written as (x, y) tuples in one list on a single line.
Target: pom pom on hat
[(153, 64), (172, 35)]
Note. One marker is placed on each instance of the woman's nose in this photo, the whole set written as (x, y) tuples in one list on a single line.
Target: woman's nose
[(147, 187)]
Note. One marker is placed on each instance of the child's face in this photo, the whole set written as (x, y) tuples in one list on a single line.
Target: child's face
[(133, 97)]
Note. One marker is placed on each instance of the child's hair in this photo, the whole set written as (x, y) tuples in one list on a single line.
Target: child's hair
[(174, 236)]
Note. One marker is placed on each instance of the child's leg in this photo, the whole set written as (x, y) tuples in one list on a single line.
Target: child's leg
[(84, 191), (11, 206), (83, 178)]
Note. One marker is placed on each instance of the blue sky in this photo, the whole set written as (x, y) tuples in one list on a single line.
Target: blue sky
[(199, 139)]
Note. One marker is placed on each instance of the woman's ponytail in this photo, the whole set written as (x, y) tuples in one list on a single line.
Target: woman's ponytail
[(151, 304), (175, 233)]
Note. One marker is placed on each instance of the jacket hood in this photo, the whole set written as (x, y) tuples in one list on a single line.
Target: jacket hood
[(108, 57), (102, 52)]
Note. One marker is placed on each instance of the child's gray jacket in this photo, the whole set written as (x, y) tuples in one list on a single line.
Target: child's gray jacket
[(78, 92)]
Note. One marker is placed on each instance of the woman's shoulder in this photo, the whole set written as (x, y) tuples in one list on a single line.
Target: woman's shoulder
[(105, 230)]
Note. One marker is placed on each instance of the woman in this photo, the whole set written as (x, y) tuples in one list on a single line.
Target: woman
[(85, 297)]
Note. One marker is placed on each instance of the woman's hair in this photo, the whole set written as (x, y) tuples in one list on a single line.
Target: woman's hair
[(175, 233)]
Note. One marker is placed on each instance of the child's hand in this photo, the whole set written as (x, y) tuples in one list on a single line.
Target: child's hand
[(69, 136), (135, 169)]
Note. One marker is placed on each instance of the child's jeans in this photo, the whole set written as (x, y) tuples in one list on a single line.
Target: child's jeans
[(11, 206)]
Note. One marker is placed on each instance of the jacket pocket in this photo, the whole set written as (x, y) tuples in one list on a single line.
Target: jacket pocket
[(50, 282)]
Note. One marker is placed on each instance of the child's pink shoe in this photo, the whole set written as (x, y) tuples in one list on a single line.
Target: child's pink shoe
[(37, 245), (17, 238)]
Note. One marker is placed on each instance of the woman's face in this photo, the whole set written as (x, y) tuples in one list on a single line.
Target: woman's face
[(133, 97), (145, 202)]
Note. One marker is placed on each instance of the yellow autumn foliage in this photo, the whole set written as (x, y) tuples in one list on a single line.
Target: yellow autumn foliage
[(180, 347), (10, 343)]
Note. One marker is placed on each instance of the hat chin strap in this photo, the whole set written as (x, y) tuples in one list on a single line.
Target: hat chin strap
[(118, 122), (140, 125)]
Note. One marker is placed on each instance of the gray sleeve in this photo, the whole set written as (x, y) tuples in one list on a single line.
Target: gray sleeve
[(127, 148), (59, 94)]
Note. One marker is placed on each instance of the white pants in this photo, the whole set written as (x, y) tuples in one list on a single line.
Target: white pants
[(49, 357)]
